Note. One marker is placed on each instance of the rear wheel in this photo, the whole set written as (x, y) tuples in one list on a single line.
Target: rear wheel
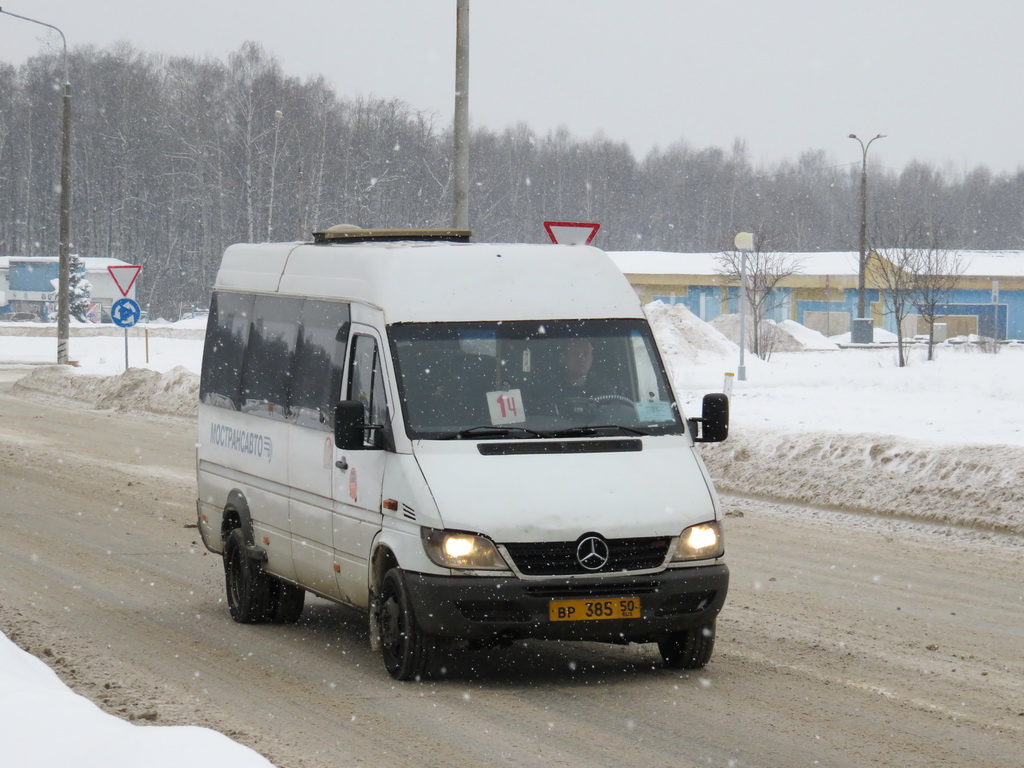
[(404, 647), (689, 648), (288, 602), (251, 591)]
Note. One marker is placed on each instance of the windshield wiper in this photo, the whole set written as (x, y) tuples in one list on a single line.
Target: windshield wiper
[(590, 431), (488, 432)]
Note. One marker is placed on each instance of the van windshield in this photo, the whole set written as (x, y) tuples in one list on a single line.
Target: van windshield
[(530, 379)]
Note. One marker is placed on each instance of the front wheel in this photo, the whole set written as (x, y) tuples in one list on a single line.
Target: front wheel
[(404, 647), (689, 648), (251, 591)]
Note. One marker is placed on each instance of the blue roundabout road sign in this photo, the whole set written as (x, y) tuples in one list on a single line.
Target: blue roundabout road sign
[(125, 313)]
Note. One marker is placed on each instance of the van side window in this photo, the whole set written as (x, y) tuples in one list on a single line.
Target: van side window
[(319, 362), (266, 373), (366, 384), (227, 332)]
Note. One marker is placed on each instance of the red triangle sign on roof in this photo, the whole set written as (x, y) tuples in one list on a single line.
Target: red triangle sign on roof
[(571, 232), (127, 273)]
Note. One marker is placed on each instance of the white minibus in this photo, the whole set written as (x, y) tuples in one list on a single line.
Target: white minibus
[(474, 443)]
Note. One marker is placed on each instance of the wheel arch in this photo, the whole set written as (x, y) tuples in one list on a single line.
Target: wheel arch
[(236, 515), (382, 561)]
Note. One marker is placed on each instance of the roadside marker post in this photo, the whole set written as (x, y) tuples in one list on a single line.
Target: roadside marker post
[(126, 312)]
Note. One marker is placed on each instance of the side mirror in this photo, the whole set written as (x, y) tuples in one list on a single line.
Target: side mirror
[(349, 423), (713, 425)]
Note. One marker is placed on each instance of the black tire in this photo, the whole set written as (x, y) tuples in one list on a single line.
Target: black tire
[(289, 601), (689, 648), (403, 646), (250, 590)]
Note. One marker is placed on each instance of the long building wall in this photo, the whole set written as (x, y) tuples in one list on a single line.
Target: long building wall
[(827, 304)]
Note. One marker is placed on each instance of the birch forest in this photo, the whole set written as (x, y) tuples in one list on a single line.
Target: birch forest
[(175, 158)]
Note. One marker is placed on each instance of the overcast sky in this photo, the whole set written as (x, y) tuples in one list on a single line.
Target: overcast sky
[(939, 77)]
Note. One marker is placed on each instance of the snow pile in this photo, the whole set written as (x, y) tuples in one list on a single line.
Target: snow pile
[(790, 336), (880, 336), (973, 486), (683, 336), (49, 725), (805, 337), (174, 393)]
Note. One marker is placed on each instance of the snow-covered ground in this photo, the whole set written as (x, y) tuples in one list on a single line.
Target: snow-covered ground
[(44, 724), (940, 442)]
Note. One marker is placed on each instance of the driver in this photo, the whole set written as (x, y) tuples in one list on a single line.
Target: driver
[(576, 385), (577, 357), (573, 389)]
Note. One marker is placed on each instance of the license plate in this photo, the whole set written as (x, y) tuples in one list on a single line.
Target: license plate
[(591, 610)]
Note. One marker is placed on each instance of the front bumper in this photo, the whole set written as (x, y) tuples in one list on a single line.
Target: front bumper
[(506, 608)]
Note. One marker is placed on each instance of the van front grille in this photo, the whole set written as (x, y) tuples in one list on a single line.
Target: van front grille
[(559, 558)]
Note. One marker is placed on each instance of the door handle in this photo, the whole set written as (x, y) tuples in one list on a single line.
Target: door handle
[(341, 463)]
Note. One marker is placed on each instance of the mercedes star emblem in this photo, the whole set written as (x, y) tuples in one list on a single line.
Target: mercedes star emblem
[(592, 553)]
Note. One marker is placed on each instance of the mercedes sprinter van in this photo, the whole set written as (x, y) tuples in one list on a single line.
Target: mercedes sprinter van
[(473, 443)]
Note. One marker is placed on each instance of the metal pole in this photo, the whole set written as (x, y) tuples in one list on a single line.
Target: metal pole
[(741, 372), (744, 241), (64, 269), (460, 150), (863, 260)]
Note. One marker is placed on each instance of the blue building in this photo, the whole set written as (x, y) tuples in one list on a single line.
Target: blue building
[(28, 286), (988, 298)]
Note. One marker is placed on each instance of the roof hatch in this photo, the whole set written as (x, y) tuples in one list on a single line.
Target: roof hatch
[(349, 233)]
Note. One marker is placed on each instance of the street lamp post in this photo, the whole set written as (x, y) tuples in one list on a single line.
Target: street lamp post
[(862, 263), (64, 270), (744, 242)]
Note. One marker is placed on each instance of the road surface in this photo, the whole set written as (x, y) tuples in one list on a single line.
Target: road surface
[(846, 641)]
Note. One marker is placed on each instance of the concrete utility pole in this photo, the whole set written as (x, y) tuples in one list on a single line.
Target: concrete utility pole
[(862, 263), (64, 270), (278, 115), (460, 150)]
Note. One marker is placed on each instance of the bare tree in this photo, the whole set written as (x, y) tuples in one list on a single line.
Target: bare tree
[(766, 267), (916, 274), (935, 273), (892, 269)]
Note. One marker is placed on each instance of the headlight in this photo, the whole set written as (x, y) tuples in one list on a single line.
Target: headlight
[(700, 542), (451, 549)]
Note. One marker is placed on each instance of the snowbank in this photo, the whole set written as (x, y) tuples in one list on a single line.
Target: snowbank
[(174, 393), (971, 486), (46, 724)]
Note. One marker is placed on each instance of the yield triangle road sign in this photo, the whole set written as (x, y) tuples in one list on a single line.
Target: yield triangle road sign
[(124, 277), (571, 232)]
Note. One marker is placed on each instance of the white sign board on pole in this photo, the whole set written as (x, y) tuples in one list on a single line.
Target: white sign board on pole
[(124, 277)]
